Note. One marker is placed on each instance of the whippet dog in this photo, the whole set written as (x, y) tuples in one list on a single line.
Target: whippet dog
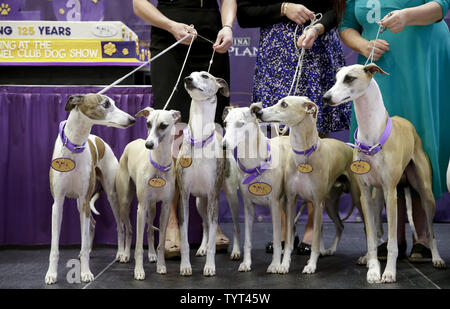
[(146, 168), (261, 165), (317, 169), (386, 148), (200, 168), (79, 159)]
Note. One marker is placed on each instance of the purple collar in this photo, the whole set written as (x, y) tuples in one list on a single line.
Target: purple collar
[(257, 171), (68, 144), (373, 150), (307, 152), (194, 142), (162, 168)]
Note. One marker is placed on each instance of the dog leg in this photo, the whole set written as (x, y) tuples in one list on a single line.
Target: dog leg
[(389, 274), (232, 198), (213, 216), (125, 192), (332, 207), (275, 212), (57, 211), (310, 268), (201, 204), (249, 216), (185, 266), (151, 233), (86, 275), (163, 220), (289, 238), (373, 274), (139, 273)]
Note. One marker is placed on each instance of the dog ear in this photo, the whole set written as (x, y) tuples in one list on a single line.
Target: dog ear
[(255, 108), (372, 68), (176, 115), (144, 112), (226, 110), (73, 101), (223, 87), (311, 108)]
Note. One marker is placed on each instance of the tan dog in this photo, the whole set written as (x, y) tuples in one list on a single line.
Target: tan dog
[(388, 149), (318, 175), (146, 169)]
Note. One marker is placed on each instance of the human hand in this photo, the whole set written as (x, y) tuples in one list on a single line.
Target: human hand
[(381, 47), (180, 30), (395, 21), (224, 40), (307, 39), (298, 13)]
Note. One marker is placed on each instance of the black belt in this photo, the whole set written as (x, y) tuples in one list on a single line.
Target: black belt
[(209, 4)]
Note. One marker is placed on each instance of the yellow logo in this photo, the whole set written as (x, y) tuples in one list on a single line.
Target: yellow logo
[(63, 164), (185, 161), (360, 167), (157, 182), (304, 168), (125, 51), (259, 188), (62, 12), (5, 9), (109, 49)]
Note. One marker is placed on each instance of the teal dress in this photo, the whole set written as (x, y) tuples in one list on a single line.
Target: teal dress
[(418, 87)]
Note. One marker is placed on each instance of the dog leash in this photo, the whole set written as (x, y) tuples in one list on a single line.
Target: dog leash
[(381, 29), (372, 150)]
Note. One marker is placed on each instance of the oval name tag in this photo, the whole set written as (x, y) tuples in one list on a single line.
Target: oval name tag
[(360, 167), (157, 182), (63, 164), (304, 168), (259, 188), (185, 161)]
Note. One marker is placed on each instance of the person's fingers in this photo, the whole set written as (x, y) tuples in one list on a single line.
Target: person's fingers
[(309, 41), (300, 40), (309, 14), (382, 46)]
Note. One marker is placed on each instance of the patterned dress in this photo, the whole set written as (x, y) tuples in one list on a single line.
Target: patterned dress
[(277, 60)]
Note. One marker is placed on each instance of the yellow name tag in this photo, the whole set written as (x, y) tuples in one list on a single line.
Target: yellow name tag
[(360, 167), (259, 188), (157, 182), (304, 168), (185, 161), (63, 164)]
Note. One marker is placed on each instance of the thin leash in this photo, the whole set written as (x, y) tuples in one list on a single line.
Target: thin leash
[(380, 30)]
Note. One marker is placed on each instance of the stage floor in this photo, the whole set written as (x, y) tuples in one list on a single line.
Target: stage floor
[(26, 268)]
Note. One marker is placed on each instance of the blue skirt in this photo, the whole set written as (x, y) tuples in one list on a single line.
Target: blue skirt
[(275, 68)]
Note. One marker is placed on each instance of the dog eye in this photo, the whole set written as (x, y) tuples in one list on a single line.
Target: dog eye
[(348, 79), (224, 124), (205, 76), (284, 104), (163, 126), (107, 104)]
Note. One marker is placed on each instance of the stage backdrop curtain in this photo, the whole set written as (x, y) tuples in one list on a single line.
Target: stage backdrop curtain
[(28, 128)]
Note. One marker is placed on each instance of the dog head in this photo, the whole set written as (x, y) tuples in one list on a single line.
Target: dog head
[(351, 83), (202, 86), (289, 111), (159, 124), (99, 109), (239, 123)]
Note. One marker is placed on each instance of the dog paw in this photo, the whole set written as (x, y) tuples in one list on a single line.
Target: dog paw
[(388, 277), (124, 258), (362, 260), (87, 277), (235, 255), (186, 270), (161, 269), (51, 278), (309, 269), (327, 252), (209, 270), (373, 276), (273, 268), (201, 252), (139, 274), (245, 267), (439, 263), (152, 257), (283, 269)]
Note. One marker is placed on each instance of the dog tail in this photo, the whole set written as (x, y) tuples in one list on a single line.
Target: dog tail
[(349, 212), (94, 198), (299, 212), (409, 211)]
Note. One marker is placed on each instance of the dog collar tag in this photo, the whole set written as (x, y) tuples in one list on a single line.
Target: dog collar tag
[(157, 182), (63, 164), (360, 167), (185, 161), (304, 168), (259, 188)]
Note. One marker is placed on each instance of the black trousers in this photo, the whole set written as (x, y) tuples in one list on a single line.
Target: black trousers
[(165, 70)]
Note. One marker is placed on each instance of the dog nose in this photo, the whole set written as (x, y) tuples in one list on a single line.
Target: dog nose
[(326, 98), (224, 146), (132, 120), (188, 80), (149, 145)]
